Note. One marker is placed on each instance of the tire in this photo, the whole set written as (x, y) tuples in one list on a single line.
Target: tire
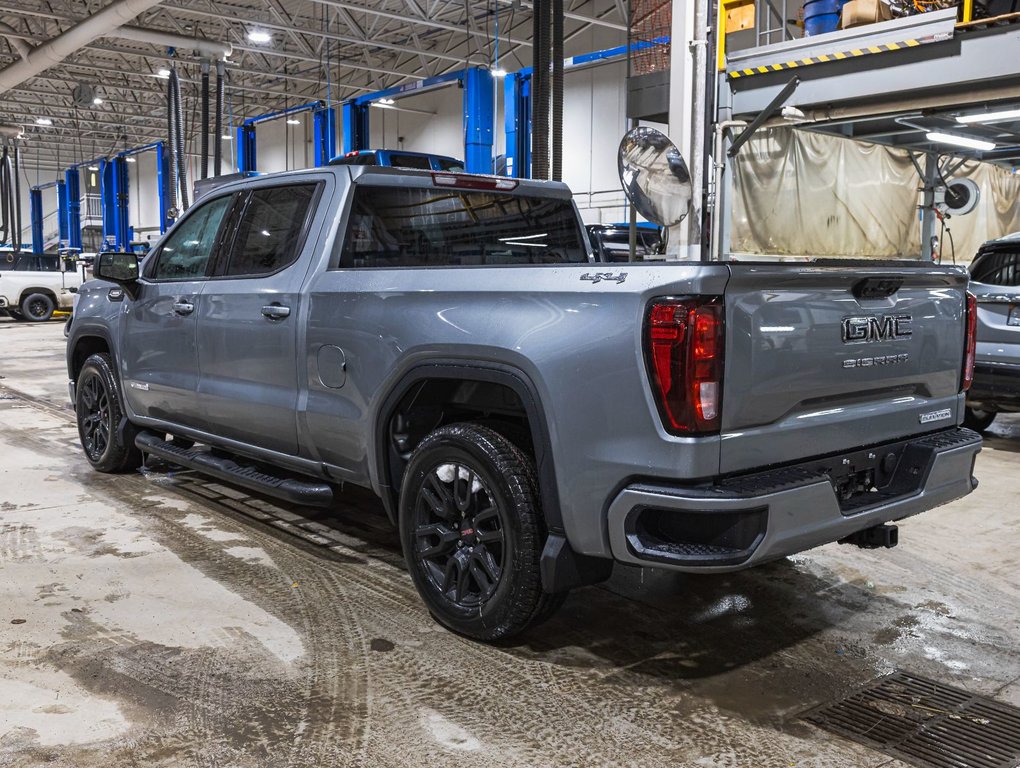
[(472, 531), (99, 411), (37, 307), (978, 420)]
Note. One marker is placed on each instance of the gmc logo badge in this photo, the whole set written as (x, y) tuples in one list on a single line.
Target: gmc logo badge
[(866, 328)]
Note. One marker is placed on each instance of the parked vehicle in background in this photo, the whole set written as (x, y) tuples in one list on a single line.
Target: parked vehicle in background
[(611, 242), (34, 287), (995, 281), (398, 158), (526, 416)]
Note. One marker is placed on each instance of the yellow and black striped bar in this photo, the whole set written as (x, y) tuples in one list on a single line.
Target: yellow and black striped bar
[(851, 54)]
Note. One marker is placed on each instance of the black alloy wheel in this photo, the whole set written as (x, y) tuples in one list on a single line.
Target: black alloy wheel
[(472, 531), (458, 533), (107, 437), (94, 418)]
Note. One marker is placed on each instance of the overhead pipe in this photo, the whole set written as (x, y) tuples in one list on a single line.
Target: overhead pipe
[(210, 49), (14, 38), (54, 51)]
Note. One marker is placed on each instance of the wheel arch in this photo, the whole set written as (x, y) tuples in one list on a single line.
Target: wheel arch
[(89, 341), (26, 292), (389, 471)]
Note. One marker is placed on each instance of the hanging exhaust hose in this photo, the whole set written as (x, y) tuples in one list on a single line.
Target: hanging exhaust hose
[(182, 161), (557, 90), (204, 171), (171, 143), (16, 172), (540, 91), (4, 195), (218, 132)]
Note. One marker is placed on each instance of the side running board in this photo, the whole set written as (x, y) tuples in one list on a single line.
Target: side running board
[(305, 492)]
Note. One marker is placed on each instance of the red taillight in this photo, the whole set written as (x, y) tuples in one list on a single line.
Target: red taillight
[(970, 342), (684, 347)]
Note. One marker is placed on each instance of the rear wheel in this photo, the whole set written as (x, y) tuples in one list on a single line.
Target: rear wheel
[(472, 531), (978, 420), (99, 413), (38, 307)]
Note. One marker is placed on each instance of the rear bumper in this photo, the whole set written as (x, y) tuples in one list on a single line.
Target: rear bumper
[(744, 521), (996, 387)]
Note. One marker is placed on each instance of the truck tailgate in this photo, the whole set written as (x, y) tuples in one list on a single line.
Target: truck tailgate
[(821, 359)]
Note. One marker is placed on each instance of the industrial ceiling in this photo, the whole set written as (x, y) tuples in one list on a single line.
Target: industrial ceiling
[(283, 54)]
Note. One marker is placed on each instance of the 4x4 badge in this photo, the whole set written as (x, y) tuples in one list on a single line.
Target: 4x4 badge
[(598, 277)]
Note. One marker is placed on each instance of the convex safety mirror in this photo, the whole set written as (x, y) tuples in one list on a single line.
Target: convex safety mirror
[(116, 267), (654, 176)]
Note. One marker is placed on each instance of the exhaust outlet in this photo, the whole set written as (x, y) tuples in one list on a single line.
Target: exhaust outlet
[(877, 537)]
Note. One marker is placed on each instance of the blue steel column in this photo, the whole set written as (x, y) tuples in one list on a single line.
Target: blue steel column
[(355, 119), (36, 214), (517, 124), (108, 204), (246, 160), (163, 185), (479, 114), (62, 213), (72, 189), (120, 206), (324, 124)]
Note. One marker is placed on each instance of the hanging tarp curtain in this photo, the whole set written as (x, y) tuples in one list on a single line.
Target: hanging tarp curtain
[(800, 193)]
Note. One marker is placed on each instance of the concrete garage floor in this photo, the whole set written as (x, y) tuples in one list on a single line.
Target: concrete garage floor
[(166, 620)]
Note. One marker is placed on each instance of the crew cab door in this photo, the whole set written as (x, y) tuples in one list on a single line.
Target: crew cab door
[(249, 321), (995, 281), (158, 352)]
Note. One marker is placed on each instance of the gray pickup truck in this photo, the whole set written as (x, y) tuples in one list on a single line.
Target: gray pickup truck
[(527, 417)]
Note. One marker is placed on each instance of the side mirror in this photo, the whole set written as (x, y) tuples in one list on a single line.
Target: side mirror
[(654, 176), (119, 268)]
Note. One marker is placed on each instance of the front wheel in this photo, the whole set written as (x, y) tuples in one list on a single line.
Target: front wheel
[(978, 420), (472, 531), (99, 413), (38, 307)]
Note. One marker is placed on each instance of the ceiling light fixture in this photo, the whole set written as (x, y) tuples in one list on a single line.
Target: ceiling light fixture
[(292, 121), (386, 102), (959, 141), (989, 117), (43, 121), (498, 72), (93, 167), (164, 73), (259, 36), (97, 101), (129, 160), (227, 137)]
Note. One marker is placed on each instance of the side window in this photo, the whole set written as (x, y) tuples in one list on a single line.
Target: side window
[(997, 268), (270, 230), (185, 255)]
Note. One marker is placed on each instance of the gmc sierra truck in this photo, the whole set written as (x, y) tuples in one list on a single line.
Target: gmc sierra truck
[(527, 416)]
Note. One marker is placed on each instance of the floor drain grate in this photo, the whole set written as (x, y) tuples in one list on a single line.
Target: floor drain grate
[(926, 723)]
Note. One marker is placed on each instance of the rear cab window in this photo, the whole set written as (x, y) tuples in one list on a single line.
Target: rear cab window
[(392, 226)]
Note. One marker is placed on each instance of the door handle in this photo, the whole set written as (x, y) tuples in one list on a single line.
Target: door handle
[(276, 311), (183, 307)]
